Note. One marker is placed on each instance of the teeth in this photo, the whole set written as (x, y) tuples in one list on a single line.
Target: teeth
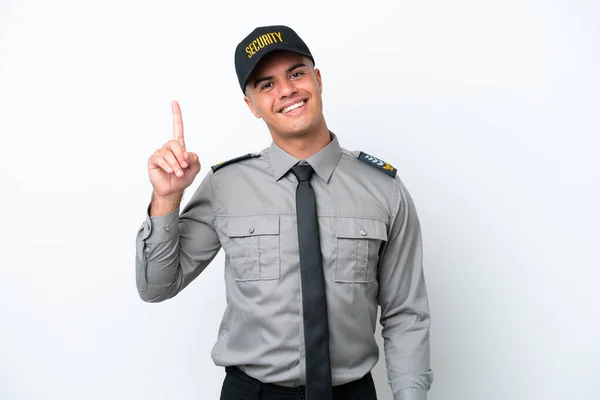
[(293, 106)]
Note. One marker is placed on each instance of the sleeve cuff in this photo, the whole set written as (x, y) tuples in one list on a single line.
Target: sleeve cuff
[(411, 394), (161, 228)]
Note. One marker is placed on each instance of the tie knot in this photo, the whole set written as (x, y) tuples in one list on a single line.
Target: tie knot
[(303, 172)]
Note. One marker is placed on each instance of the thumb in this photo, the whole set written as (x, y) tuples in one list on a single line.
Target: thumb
[(194, 162)]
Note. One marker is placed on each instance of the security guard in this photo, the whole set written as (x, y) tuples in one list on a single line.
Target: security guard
[(315, 239)]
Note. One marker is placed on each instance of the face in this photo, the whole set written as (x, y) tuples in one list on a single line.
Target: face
[(285, 91)]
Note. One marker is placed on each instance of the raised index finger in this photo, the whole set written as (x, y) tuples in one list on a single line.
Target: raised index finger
[(177, 123)]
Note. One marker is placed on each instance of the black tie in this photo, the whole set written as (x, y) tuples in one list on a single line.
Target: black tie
[(316, 332)]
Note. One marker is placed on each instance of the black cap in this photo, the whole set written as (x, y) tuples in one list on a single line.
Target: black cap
[(262, 41)]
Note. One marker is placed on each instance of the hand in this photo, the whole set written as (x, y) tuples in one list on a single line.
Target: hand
[(172, 168)]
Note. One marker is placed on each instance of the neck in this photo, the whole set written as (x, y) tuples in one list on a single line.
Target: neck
[(305, 145)]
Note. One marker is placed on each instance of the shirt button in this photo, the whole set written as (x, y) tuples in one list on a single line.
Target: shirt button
[(251, 230), (363, 232)]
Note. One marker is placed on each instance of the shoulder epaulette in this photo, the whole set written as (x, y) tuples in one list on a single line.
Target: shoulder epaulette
[(377, 163), (234, 160)]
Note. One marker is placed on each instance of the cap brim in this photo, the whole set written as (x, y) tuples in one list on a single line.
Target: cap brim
[(266, 52)]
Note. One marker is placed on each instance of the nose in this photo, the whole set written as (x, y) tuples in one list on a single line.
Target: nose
[(287, 88)]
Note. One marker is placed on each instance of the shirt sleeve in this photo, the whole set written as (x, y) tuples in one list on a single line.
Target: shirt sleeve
[(173, 249), (405, 316)]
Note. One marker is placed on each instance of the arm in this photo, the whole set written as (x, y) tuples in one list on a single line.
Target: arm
[(404, 304), (172, 249)]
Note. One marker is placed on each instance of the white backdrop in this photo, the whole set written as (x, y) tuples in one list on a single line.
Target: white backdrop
[(489, 109)]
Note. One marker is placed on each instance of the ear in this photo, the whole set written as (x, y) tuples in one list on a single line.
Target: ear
[(319, 80), (251, 106)]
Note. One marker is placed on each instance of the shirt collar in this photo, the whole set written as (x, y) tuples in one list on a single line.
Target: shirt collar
[(323, 162)]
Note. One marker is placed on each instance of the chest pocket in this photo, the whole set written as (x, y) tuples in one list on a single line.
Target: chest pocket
[(252, 247), (358, 242)]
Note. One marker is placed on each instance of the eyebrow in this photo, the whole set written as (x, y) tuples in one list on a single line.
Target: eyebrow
[(266, 78)]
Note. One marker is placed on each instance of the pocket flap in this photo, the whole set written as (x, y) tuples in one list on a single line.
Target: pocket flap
[(252, 225), (360, 228)]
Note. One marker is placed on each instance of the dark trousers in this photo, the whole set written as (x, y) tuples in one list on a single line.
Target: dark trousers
[(239, 386)]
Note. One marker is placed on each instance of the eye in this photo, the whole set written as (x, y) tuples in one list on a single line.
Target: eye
[(297, 74), (266, 85)]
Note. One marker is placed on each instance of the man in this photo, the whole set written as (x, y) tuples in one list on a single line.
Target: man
[(315, 238)]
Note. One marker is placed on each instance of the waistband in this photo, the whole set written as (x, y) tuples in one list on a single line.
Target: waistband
[(272, 388)]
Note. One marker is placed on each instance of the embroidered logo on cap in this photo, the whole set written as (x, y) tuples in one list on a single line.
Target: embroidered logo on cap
[(263, 41)]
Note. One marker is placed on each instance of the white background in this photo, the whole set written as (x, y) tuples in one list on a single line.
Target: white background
[(489, 110)]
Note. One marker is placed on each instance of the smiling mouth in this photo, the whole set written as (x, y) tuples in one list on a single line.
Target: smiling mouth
[(293, 107)]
